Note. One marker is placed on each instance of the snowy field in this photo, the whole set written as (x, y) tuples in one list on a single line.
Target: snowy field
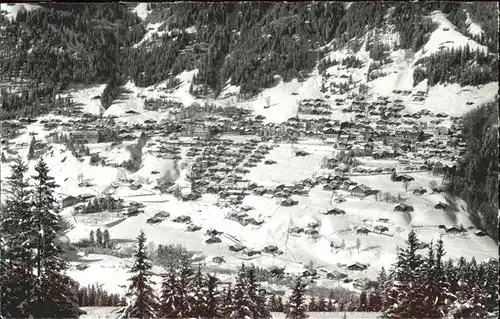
[(374, 249), (110, 313)]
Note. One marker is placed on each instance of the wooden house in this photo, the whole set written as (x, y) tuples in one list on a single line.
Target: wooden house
[(403, 208), (361, 191)]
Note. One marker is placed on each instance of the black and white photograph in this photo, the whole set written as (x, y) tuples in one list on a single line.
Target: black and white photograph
[(249, 159)]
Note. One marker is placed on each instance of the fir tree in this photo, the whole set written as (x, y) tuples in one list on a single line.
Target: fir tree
[(227, 304), (106, 240), (199, 294), (98, 237), (242, 302), (363, 301), (405, 295), (312, 304), (142, 302), (184, 287), (92, 238), (212, 299), (16, 259), (54, 293), (297, 304), (31, 150), (258, 307), (168, 294)]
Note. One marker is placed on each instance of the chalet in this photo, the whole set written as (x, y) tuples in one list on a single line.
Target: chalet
[(70, 201), (336, 275), (252, 252), (154, 220), (480, 233), (383, 220), (363, 231), (236, 247), (381, 229), (361, 191), (288, 202), (419, 191), (357, 266), (441, 133), (403, 208), (182, 219), (213, 240), (218, 260), (335, 211), (271, 249), (403, 178)]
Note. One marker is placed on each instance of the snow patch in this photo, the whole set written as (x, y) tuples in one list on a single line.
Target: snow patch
[(142, 10)]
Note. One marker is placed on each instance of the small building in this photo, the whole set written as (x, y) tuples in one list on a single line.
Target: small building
[(357, 266), (361, 191), (419, 191), (363, 231), (403, 208), (70, 201), (403, 178), (381, 229)]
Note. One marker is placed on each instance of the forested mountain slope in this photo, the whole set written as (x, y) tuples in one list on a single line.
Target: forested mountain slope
[(241, 44)]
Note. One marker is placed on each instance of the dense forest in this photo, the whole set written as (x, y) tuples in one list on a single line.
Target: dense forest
[(243, 44), (476, 180), (461, 65)]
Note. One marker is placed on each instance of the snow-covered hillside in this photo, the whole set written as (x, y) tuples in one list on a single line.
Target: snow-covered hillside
[(12, 9)]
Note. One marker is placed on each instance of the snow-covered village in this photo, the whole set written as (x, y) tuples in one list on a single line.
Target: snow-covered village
[(249, 160)]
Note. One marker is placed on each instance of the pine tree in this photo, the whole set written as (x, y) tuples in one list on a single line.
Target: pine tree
[(92, 238), (363, 301), (142, 302), (228, 302), (168, 294), (54, 293), (16, 259), (212, 299), (106, 240), (258, 307), (31, 150), (184, 289), (297, 304), (312, 304), (98, 237), (199, 294), (405, 295), (242, 302)]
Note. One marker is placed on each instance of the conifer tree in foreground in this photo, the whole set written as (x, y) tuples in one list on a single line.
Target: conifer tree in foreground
[(168, 294), (405, 295), (297, 304), (142, 302), (17, 261), (256, 294), (242, 302), (212, 309), (54, 294)]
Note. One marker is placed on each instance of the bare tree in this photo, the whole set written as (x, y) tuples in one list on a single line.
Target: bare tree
[(407, 184), (358, 244)]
